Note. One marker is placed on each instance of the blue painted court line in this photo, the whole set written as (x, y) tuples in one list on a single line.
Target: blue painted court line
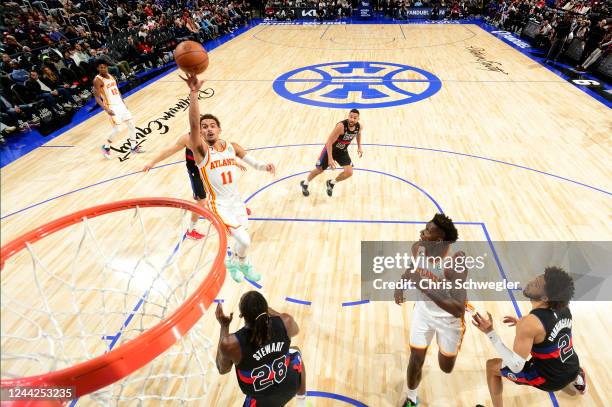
[(81, 189), (254, 283), (303, 302), (484, 229), (353, 303), (7, 157), (354, 169), (116, 337), (219, 301), (540, 60), (493, 160), (319, 144), (34, 140), (552, 396), (501, 269), (374, 81), (143, 297), (436, 150), (337, 220), (410, 222), (334, 396)]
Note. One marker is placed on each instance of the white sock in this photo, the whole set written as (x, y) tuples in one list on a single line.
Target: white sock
[(412, 394), (333, 182), (579, 381), (300, 400), (305, 182), (131, 129), (113, 134)]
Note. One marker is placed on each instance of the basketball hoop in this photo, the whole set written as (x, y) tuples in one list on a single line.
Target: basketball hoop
[(70, 343)]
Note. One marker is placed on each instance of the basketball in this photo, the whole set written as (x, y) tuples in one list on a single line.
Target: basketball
[(191, 57)]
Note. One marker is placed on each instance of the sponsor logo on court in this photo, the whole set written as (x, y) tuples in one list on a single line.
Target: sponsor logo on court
[(357, 84), (481, 59), (158, 125), (511, 38)]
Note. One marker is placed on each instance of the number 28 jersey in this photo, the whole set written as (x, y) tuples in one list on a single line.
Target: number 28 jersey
[(263, 369)]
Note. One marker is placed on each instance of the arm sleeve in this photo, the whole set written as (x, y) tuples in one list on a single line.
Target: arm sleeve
[(254, 163), (509, 358)]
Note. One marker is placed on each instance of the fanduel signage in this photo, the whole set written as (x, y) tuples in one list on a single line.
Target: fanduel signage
[(421, 12)]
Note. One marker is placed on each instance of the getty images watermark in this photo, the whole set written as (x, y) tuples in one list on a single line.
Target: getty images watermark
[(487, 271)]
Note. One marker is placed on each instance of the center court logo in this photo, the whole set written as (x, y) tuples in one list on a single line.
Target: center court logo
[(357, 84)]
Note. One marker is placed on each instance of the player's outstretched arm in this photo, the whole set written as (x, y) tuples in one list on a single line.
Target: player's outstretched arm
[(167, 152), (228, 350), (526, 331), (250, 160), (195, 141)]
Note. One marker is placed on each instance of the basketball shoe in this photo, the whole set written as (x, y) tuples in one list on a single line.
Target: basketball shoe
[(409, 403), (246, 269), (330, 187), (580, 382), (304, 189), (106, 152), (194, 235), (232, 266)]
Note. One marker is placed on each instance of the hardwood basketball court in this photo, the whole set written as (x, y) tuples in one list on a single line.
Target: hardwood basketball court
[(503, 143)]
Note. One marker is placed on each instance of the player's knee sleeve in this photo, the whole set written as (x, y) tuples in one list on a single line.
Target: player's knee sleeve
[(243, 241), (114, 133)]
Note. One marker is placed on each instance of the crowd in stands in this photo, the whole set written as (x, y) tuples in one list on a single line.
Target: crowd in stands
[(590, 22), (49, 48), (285, 10), (559, 22), (441, 9)]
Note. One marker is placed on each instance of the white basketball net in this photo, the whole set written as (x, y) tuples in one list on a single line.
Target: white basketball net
[(89, 288)]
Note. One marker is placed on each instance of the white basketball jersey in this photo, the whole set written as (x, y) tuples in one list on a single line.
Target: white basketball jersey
[(111, 94), (437, 272), (219, 173)]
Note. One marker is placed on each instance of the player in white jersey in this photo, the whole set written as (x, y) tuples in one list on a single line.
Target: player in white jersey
[(436, 311), (219, 170), (109, 98)]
